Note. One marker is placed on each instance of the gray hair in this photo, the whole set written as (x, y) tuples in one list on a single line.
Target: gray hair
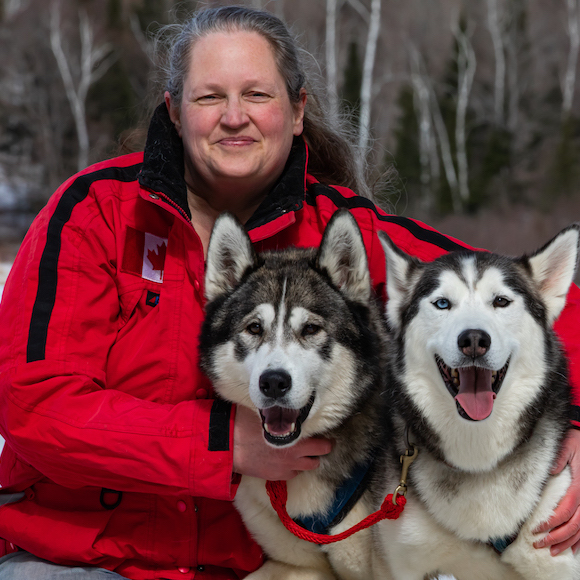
[(332, 157)]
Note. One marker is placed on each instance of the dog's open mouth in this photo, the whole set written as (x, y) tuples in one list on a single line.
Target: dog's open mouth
[(473, 388), (282, 426)]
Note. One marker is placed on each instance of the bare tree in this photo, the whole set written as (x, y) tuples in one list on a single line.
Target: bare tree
[(331, 67), (367, 79), (495, 29), (512, 45), (569, 81), (94, 62), (428, 158), (466, 64)]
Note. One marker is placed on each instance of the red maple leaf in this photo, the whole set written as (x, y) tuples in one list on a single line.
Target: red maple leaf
[(157, 259)]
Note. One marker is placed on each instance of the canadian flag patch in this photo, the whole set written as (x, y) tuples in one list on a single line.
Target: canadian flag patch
[(144, 255)]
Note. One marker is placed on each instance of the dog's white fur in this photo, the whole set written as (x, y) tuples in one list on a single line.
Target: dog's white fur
[(455, 506), (343, 258)]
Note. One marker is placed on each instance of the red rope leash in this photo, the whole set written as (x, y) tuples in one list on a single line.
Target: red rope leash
[(279, 496)]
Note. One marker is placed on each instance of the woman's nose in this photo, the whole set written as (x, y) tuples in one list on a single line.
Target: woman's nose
[(234, 114)]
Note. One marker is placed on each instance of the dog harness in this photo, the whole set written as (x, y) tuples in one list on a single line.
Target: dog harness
[(500, 545), (345, 498)]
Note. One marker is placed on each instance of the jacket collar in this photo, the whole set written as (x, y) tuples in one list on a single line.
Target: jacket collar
[(163, 171)]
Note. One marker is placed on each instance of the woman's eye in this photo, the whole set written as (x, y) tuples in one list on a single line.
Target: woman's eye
[(257, 96), (207, 99), (255, 328), (442, 304), (501, 302), (310, 329)]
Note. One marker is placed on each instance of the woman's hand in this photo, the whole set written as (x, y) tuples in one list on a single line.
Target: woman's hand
[(254, 457), (564, 525)]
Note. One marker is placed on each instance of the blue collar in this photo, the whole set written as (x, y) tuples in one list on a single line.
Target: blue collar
[(346, 496)]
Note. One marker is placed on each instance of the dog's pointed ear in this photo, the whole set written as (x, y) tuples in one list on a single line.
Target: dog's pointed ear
[(342, 254), (553, 268), (229, 255), (399, 277)]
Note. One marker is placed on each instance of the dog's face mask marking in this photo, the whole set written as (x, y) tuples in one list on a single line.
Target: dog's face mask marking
[(472, 332), (278, 342), (465, 318)]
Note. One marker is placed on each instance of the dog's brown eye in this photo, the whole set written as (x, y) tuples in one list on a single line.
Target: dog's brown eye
[(310, 329), (255, 328), (501, 302)]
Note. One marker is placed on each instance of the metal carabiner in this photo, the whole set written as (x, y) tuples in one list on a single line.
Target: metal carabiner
[(406, 459)]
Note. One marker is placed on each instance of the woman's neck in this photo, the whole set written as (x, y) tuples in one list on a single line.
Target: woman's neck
[(205, 210)]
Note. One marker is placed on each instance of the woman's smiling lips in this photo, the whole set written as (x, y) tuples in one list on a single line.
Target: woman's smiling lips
[(236, 141)]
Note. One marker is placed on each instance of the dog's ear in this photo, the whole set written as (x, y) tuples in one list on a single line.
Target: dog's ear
[(342, 254), (400, 279), (553, 268), (229, 255)]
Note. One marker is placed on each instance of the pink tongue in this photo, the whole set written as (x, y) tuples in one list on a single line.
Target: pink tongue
[(279, 420), (475, 394)]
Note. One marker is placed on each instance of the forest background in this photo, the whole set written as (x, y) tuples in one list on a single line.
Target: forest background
[(467, 111)]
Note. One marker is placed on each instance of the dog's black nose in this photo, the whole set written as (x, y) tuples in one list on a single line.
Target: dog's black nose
[(275, 383), (474, 343)]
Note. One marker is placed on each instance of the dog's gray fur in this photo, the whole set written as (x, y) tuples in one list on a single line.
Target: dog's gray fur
[(257, 316)]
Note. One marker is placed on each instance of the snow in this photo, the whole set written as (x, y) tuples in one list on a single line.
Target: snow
[(4, 270)]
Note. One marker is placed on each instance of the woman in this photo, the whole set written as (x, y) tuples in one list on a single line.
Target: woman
[(117, 458)]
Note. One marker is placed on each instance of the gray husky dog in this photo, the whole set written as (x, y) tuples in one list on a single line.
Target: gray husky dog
[(297, 336), (479, 385)]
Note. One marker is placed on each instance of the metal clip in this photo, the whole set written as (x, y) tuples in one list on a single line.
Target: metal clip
[(406, 460)]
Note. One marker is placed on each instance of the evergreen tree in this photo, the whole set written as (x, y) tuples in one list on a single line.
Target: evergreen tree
[(406, 157), (352, 82)]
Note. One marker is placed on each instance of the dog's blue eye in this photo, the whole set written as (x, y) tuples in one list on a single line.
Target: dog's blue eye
[(501, 302), (255, 328), (442, 304)]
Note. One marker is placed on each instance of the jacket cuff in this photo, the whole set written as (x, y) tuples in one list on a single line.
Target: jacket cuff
[(212, 451), (575, 416)]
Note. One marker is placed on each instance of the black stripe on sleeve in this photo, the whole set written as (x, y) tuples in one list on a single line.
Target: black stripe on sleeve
[(48, 268), (421, 233), (219, 426)]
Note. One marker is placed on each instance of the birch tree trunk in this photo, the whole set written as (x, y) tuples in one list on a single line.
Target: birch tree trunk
[(574, 37), (513, 73), (331, 68), (428, 158), (367, 80), (494, 25), (466, 64), (91, 67)]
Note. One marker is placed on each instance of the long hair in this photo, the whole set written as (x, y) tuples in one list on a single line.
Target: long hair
[(333, 158)]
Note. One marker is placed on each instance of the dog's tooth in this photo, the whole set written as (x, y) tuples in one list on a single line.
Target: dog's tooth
[(292, 427), (454, 373), (266, 428)]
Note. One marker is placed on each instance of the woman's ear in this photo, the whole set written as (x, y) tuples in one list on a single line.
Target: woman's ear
[(174, 112), (299, 113)]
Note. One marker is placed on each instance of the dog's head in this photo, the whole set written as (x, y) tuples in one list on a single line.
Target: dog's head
[(283, 329), (473, 326)]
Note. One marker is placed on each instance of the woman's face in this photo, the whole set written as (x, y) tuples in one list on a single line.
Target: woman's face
[(235, 118)]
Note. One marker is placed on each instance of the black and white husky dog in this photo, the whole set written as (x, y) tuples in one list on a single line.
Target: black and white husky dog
[(297, 336), (479, 382)]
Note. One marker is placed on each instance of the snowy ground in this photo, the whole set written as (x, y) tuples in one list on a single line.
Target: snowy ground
[(4, 269)]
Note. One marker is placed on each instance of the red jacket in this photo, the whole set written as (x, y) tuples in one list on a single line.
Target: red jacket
[(111, 430)]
